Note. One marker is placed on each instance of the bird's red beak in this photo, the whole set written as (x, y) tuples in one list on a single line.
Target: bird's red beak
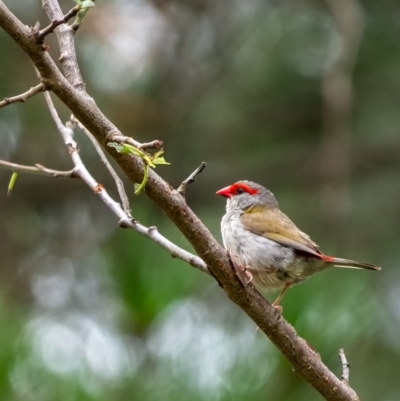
[(225, 192)]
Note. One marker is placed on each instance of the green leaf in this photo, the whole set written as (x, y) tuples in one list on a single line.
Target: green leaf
[(157, 159), (115, 145), (12, 183), (160, 160), (158, 154), (139, 188)]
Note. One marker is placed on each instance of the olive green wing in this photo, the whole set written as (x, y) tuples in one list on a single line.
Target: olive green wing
[(276, 226)]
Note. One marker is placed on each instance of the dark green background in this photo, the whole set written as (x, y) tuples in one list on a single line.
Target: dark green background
[(92, 312)]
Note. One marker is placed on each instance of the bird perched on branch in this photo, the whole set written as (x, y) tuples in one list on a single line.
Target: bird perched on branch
[(267, 245)]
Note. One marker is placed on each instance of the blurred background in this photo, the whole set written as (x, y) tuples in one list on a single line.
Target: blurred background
[(301, 96)]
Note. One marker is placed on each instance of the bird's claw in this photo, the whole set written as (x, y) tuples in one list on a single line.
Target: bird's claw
[(248, 275), (243, 274)]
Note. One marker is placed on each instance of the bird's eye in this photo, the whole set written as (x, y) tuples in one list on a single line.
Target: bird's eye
[(240, 191)]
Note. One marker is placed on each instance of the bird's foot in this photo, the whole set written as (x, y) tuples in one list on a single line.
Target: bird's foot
[(276, 305), (248, 274), (242, 273)]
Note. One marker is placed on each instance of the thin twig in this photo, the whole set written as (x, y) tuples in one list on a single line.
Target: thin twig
[(37, 169), (156, 144), (23, 97), (191, 178), (117, 137), (118, 181), (345, 367), (40, 35)]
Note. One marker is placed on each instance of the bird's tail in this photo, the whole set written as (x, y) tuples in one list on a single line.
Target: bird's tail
[(352, 264)]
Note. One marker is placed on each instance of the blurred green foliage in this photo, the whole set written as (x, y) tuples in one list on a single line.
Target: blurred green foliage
[(92, 312)]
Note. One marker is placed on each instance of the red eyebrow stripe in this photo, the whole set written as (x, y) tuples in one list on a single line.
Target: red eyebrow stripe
[(251, 191)]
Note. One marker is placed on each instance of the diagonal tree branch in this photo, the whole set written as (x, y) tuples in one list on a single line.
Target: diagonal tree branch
[(303, 359)]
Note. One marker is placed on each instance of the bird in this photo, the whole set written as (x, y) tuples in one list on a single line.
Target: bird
[(267, 245)]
